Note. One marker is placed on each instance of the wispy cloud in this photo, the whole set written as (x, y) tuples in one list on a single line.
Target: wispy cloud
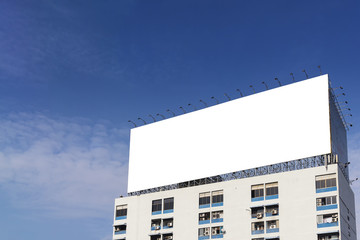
[(70, 167), (354, 153)]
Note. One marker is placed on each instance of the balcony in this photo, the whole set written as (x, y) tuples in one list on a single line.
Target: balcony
[(217, 216), (204, 233), (167, 236), (272, 210), (168, 223), (327, 220), (204, 218), (217, 232), (328, 236), (155, 237), (257, 228), (272, 226), (155, 224), (120, 229), (257, 212)]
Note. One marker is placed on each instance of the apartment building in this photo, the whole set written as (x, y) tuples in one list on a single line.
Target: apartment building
[(290, 185)]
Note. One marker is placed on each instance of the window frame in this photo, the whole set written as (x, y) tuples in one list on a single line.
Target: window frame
[(155, 209), (323, 182), (257, 191), (121, 211), (168, 206), (217, 197), (204, 199)]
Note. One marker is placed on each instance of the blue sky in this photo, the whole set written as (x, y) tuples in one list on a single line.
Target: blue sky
[(73, 72)]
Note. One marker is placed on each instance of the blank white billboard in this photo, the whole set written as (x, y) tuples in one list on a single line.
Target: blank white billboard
[(278, 125)]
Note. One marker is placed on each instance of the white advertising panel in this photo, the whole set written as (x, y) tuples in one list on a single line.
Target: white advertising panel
[(278, 125)]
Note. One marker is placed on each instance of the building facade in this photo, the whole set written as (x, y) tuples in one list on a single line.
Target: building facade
[(306, 198)]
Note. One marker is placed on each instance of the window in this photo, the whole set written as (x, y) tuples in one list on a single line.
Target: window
[(217, 198), (204, 218), (121, 212), (257, 228), (204, 199), (216, 232), (155, 224), (120, 229), (257, 192), (204, 233), (271, 190), (156, 206), (168, 223), (272, 226), (217, 216), (325, 183), (168, 205), (325, 203)]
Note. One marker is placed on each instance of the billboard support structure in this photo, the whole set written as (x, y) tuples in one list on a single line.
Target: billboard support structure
[(311, 162)]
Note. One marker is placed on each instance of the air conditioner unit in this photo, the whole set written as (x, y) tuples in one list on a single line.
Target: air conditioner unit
[(214, 232), (335, 219), (169, 237), (272, 226), (259, 215), (202, 214), (169, 224), (206, 233), (274, 212), (157, 227), (318, 202)]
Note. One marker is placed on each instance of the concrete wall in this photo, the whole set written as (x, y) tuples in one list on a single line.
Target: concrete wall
[(347, 209)]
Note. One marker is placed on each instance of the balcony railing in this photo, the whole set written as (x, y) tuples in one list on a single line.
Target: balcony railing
[(329, 189), (257, 232), (272, 230), (327, 224), (327, 207)]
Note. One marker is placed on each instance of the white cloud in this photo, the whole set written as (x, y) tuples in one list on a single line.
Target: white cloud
[(71, 167), (354, 153)]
